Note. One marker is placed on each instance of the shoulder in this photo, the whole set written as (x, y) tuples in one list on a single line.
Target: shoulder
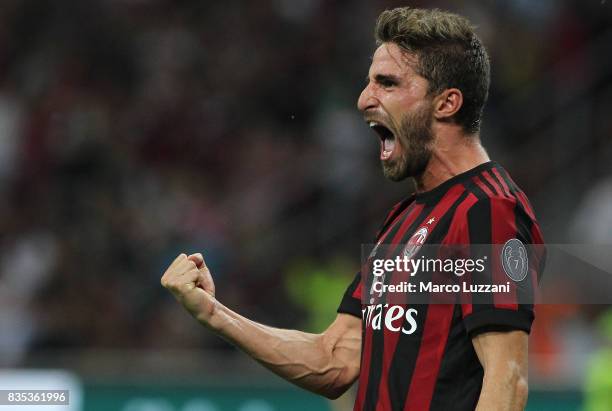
[(494, 212), (494, 194)]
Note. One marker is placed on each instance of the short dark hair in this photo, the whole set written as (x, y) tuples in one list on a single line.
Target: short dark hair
[(448, 52)]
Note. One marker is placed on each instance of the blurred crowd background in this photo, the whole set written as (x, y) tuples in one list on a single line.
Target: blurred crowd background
[(133, 130)]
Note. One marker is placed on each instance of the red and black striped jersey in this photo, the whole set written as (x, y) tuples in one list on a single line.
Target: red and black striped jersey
[(428, 361)]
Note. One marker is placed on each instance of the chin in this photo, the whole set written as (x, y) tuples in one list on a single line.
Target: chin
[(395, 173), (396, 178), (399, 171)]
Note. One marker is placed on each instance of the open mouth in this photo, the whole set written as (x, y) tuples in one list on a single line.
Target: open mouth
[(387, 139)]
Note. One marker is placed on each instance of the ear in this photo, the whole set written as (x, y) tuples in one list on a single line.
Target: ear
[(447, 103)]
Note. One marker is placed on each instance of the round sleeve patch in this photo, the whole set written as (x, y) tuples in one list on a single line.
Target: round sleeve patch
[(514, 259)]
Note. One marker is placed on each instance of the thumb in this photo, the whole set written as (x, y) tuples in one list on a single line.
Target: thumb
[(197, 258)]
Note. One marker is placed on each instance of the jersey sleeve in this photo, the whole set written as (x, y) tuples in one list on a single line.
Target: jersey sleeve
[(351, 301), (491, 223)]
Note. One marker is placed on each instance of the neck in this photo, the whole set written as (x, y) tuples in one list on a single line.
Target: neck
[(451, 155)]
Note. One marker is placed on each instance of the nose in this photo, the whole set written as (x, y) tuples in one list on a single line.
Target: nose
[(366, 98)]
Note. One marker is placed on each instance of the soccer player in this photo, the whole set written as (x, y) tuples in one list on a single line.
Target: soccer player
[(426, 89)]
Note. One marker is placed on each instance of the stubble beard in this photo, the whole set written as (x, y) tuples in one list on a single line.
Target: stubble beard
[(415, 138)]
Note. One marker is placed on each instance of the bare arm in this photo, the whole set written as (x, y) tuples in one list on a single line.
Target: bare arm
[(326, 363), (503, 356)]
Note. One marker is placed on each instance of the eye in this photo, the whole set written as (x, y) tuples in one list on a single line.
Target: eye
[(387, 83)]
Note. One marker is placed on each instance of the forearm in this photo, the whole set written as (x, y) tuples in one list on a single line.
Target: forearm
[(503, 356), (316, 362), (503, 391), (325, 363)]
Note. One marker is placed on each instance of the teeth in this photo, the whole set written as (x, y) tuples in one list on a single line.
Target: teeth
[(373, 123)]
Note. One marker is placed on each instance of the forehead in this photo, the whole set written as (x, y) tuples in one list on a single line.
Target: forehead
[(389, 58)]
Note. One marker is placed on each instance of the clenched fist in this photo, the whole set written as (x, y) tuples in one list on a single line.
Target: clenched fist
[(189, 280)]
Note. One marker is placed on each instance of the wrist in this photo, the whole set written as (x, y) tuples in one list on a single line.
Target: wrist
[(210, 315)]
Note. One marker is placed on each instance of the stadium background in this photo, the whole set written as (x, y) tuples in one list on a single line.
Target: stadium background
[(132, 130)]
